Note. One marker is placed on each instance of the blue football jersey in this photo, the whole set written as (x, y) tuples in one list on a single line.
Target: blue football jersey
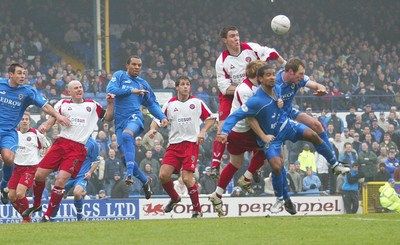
[(14, 101), (126, 104)]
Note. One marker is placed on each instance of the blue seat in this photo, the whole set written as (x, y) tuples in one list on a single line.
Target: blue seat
[(101, 95), (89, 95)]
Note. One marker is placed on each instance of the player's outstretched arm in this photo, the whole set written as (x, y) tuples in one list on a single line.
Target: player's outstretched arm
[(319, 89)]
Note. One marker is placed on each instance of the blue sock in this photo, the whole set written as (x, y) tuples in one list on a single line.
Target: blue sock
[(132, 167), (278, 185), (285, 183), (7, 172), (324, 137), (128, 146), (78, 205), (325, 151)]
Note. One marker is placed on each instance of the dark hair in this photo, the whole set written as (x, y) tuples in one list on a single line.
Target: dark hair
[(180, 78), (262, 69), (128, 61), (11, 68), (224, 32), (294, 64)]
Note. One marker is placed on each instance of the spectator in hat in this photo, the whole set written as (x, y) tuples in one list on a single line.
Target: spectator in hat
[(392, 163), (371, 117), (297, 168), (382, 122), (140, 150), (337, 122), (351, 117), (102, 194), (346, 136), (367, 161), (388, 196), (309, 111), (382, 174), (367, 110), (377, 131), (207, 183)]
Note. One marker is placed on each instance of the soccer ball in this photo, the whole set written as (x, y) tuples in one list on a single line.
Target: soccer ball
[(280, 24)]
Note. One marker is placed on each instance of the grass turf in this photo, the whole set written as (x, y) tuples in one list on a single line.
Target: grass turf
[(336, 229)]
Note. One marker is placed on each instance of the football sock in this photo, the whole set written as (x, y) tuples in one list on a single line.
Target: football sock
[(277, 183), (170, 190), (7, 172), (226, 175), (128, 146), (38, 188), (256, 162), (325, 151), (194, 197), (218, 150), (56, 196), (324, 137)]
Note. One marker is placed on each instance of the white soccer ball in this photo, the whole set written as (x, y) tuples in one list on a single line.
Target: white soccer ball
[(280, 24)]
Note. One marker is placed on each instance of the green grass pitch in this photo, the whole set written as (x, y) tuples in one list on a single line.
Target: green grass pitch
[(335, 229)]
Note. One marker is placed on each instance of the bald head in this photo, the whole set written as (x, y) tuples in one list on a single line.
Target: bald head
[(73, 83), (75, 90)]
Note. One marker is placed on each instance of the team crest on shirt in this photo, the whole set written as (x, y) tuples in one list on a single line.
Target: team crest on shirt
[(88, 109), (28, 138), (176, 109), (232, 67), (69, 108), (248, 59), (192, 106), (293, 86), (20, 96)]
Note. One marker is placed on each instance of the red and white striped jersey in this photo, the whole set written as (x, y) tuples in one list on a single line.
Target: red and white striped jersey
[(29, 145), (83, 117), (232, 69), (185, 118), (242, 93)]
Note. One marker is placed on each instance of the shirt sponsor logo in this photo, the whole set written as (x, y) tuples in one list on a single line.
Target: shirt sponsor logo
[(184, 120), (9, 102)]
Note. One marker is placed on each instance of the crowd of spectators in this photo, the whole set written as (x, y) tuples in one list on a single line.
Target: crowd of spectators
[(356, 58)]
